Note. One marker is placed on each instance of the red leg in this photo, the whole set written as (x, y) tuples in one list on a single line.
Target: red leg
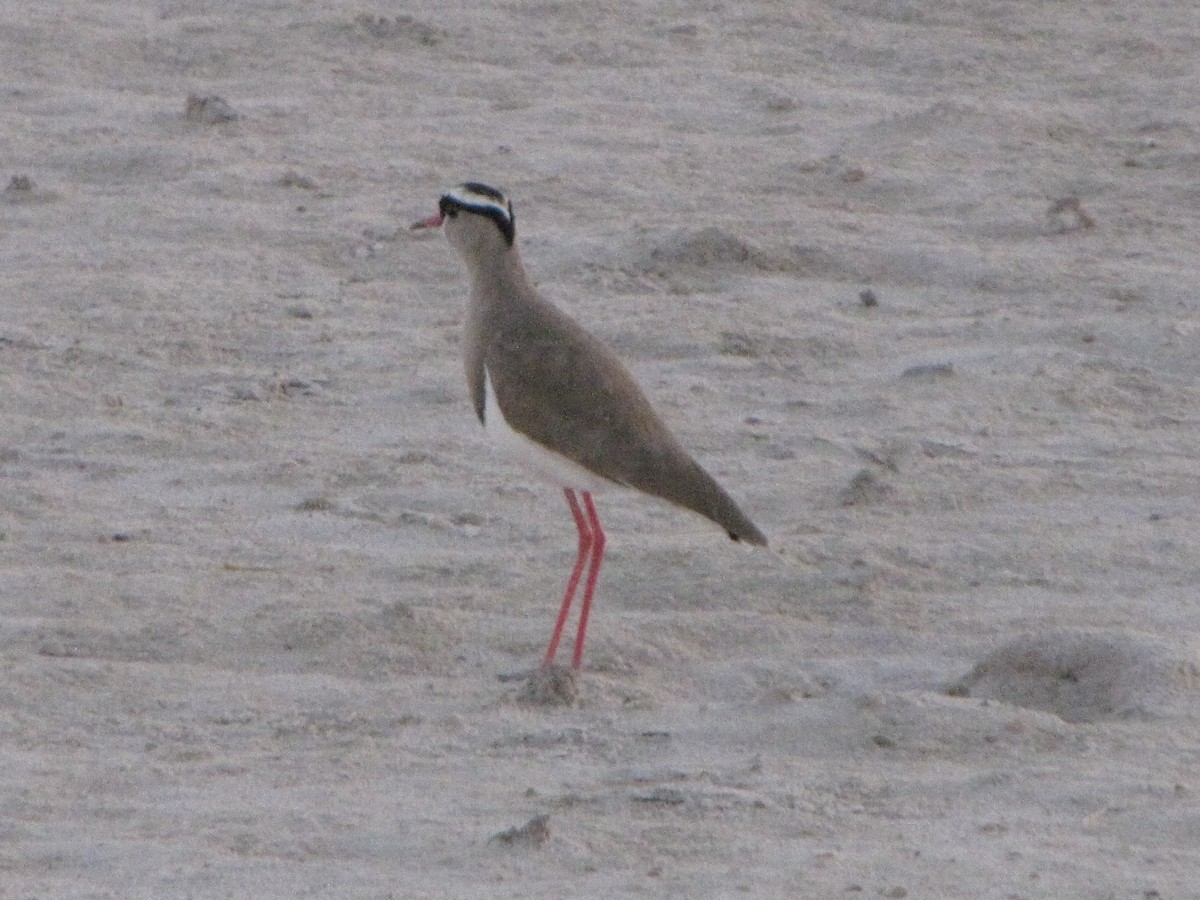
[(597, 545), (585, 547)]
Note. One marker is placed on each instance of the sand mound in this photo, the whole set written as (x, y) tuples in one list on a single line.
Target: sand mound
[(708, 248), (1085, 676), (709, 251)]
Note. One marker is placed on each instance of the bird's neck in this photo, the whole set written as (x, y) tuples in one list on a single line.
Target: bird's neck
[(497, 281)]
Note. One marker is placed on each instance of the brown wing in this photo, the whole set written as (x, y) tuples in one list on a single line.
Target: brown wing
[(563, 388)]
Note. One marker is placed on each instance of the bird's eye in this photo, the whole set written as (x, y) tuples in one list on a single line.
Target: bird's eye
[(451, 213)]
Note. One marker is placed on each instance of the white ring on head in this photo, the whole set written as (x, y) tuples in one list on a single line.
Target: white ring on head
[(474, 200)]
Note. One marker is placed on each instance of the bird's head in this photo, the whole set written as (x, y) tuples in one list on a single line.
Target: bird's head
[(476, 216)]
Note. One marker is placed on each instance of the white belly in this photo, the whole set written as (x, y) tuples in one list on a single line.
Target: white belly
[(546, 465)]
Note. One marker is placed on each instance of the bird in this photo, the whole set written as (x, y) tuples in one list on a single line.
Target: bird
[(543, 385)]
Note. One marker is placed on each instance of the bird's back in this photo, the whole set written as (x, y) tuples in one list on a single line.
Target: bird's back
[(565, 389)]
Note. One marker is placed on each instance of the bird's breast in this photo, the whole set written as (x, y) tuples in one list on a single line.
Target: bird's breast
[(538, 460)]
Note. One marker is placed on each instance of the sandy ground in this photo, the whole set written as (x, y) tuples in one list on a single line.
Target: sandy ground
[(916, 280)]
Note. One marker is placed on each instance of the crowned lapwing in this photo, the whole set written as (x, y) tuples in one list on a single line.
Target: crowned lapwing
[(539, 381)]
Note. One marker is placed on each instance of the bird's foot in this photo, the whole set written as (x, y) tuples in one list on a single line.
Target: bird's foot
[(551, 686)]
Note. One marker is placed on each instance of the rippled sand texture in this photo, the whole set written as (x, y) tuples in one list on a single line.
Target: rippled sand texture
[(916, 281)]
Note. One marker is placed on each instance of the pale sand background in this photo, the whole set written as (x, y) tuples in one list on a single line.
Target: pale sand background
[(258, 584)]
